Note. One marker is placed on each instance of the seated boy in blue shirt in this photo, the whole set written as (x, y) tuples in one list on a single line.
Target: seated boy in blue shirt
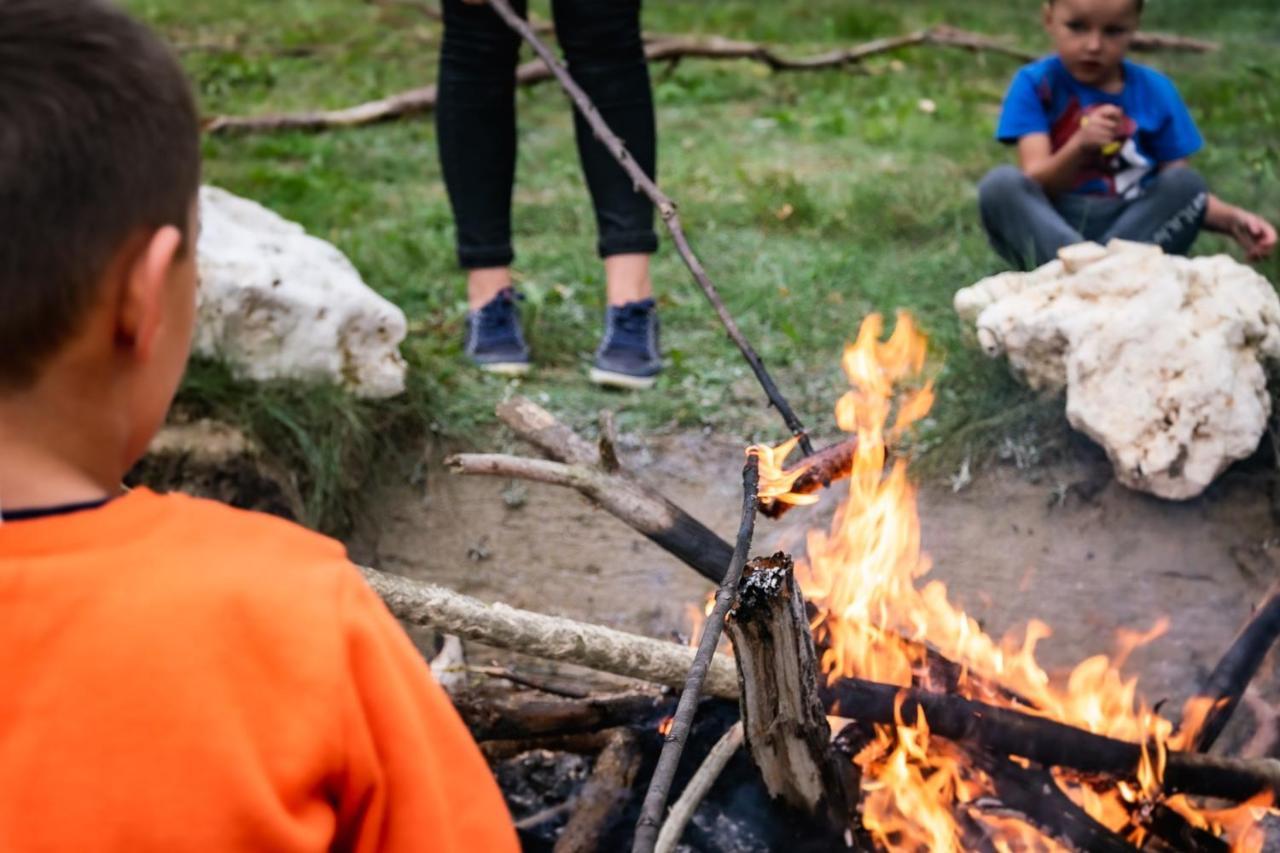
[(1102, 149)]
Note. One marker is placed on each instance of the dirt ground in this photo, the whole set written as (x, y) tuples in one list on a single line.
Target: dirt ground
[(1063, 543)]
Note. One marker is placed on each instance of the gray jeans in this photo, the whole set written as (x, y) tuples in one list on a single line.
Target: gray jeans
[(1027, 227)]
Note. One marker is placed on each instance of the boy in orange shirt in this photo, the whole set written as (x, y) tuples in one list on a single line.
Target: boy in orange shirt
[(178, 675)]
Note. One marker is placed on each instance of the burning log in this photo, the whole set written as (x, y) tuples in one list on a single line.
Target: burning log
[(1004, 731), (1001, 730), (1229, 679), (523, 716), (816, 472), (606, 791), (1033, 794), (784, 721)]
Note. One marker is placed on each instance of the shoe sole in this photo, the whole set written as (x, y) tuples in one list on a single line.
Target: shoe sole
[(511, 368), (621, 380)]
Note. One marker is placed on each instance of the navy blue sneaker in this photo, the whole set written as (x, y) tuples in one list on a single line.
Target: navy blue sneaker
[(494, 340), (628, 356)]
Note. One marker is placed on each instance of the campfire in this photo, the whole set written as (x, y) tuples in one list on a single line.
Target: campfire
[(867, 710), (875, 616)]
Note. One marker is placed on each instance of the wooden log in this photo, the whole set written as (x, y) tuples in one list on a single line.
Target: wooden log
[(581, 743), (998, 729), (1034, 795), (1004, 731), (1230, 678), (616, 491), (524, 715), (549, 637), (606, 791), (783, 719), (818, 471)]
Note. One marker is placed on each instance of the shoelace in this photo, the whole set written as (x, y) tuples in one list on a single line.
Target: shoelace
[(498, 317), (631, 324)]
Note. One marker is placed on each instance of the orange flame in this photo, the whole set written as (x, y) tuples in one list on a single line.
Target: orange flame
[(876, 620)]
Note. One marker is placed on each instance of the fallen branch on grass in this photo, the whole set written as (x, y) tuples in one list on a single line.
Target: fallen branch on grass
[(662, 49), (655, 800)]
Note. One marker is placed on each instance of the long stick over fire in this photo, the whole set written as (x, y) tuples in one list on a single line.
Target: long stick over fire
[(655, 800), (666, 209)]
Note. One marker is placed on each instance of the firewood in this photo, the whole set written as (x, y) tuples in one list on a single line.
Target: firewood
[(696, 790), (1229, 679), (548, 637), (655, 799), (784, 721), (606, 791), (580, 743), (620, 495), (524, 715), (997, 729), (1004, 731), (818, 471), (1036, 797)]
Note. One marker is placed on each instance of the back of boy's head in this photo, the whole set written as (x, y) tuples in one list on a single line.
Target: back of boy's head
[(99, 140)]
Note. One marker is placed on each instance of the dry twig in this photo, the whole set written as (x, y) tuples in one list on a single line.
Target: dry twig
[(655, 800), (696, 791)]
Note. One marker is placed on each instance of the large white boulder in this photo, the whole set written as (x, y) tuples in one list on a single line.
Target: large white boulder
[(1161, 356), (275, 302)]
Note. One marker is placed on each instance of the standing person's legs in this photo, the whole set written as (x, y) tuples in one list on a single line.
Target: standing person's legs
[(605, 54), (1170, 213), (1021, 222), (476, 134)]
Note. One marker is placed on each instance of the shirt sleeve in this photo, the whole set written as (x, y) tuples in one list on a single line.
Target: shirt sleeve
[(1022, 113), (1178, 136), (415, 779)]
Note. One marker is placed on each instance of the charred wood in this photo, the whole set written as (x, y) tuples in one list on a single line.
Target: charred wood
[(818, 471), (606, 791), (1004, 731), (1230, 678), (784, 721), (583, 743), (523, 716)]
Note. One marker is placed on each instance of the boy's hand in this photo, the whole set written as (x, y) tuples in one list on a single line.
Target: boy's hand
[(1100, 128), (1255, 234)]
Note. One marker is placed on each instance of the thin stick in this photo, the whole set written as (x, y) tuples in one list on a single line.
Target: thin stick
[(1237, 668), (568, 691), (666, 208), (696, 791), (655, 799)]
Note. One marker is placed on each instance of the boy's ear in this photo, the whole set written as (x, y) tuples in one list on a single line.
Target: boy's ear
[(142, 295)]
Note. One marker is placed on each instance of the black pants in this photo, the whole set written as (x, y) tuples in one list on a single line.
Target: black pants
[(476, 122)]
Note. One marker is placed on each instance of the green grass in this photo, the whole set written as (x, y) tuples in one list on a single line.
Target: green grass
[(881, 196)]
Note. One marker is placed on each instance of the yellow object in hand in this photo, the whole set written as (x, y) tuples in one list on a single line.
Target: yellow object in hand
[(1110, 148)]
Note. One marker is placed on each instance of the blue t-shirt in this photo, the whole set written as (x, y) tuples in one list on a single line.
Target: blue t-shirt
[(1045, 98)]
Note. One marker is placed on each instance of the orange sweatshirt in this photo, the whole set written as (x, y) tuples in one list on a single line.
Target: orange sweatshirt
[(176, 675)]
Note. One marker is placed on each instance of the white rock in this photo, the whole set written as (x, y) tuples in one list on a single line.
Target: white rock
[(275, 302), (1161, 356)]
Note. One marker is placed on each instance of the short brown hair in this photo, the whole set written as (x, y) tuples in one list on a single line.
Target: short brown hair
[(1137, 5), (99, 137)]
